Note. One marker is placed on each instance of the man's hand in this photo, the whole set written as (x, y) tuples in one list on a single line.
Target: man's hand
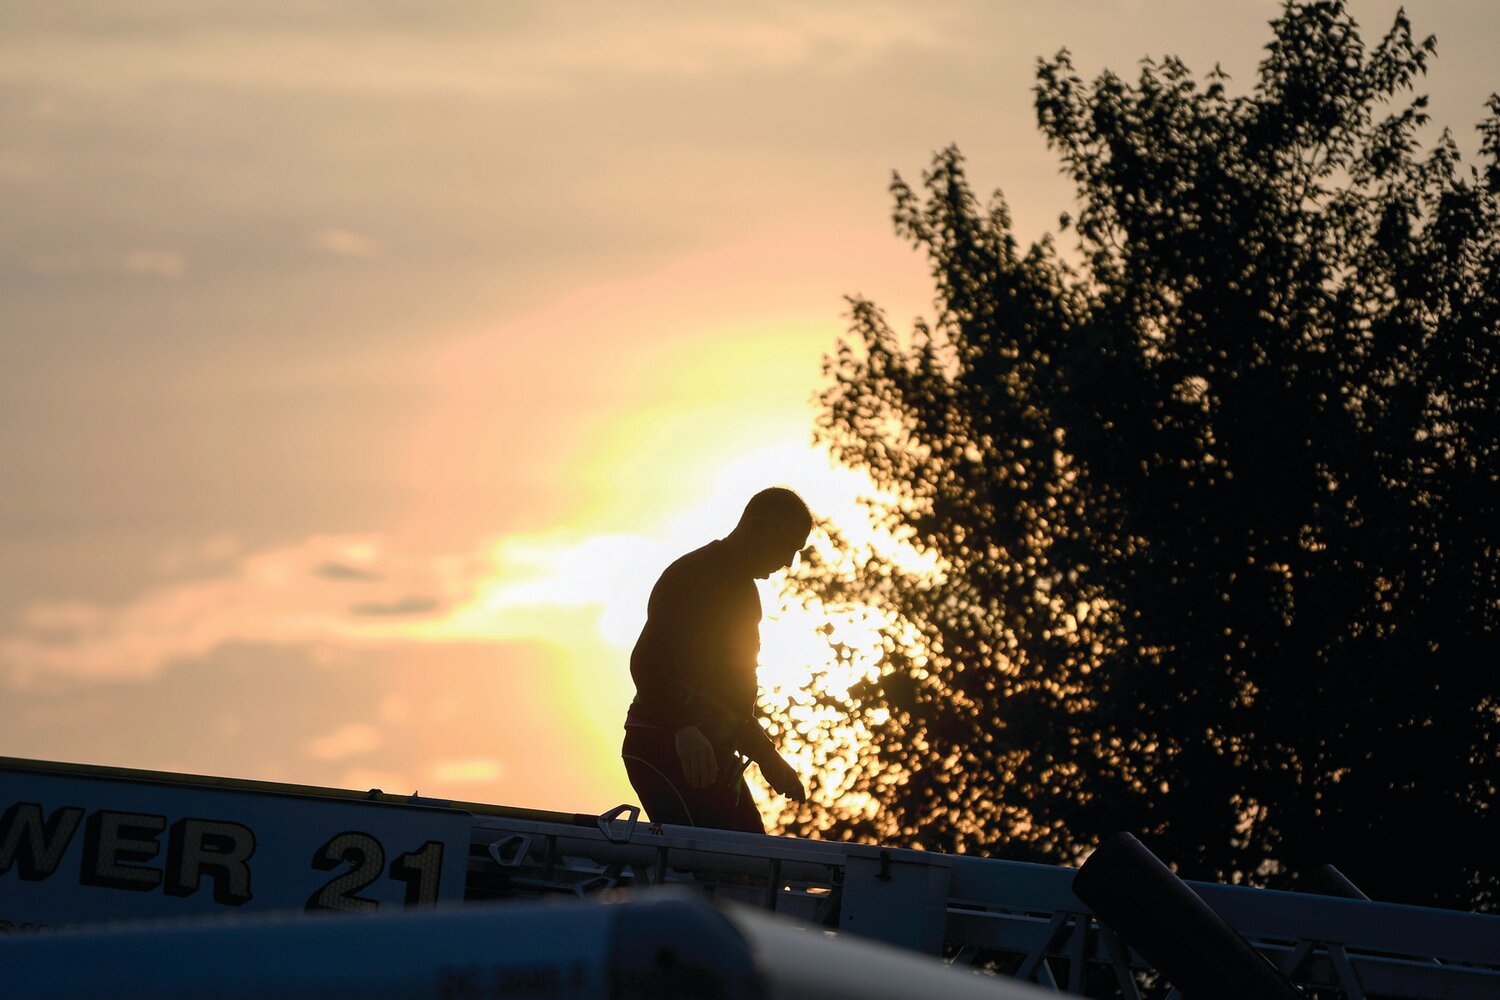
[(784, 779), (699, 765)]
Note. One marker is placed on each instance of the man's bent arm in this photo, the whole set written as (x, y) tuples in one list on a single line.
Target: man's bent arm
[(752, 741)]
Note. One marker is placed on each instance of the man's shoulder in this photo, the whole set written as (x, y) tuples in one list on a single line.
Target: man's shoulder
[(706, 562), (712, 567)]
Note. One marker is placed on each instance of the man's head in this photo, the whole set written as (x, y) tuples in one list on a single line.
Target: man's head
[(772, 529)]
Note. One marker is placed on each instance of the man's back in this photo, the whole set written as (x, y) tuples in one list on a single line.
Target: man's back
[(694, 663)]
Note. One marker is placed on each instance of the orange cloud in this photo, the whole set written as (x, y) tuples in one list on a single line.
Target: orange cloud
[(286, 595), (352, 740)]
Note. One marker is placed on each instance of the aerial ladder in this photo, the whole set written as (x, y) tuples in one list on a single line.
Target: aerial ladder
[(85, 847)]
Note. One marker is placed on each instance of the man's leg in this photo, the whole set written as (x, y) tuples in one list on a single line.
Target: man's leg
[(656, 775)]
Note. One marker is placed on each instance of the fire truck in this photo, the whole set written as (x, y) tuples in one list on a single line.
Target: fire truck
[(128, 883)]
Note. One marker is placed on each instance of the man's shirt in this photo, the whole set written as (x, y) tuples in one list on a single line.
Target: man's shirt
[(694, 663)]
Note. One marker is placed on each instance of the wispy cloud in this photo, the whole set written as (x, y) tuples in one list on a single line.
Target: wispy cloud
[(465, 771), (167, 264), (284, 595), (353, 740), (552, 49), (522, 588), (345, 243), (401, 607), (346, 571), (146, 262)]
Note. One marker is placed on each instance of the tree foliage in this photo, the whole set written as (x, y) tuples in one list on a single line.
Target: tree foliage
[(1211, 504)]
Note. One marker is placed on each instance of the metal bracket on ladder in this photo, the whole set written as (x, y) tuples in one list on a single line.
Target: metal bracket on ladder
[(591, 885), (1034, 968), (509, 852), (606, 821), (1119, 960)]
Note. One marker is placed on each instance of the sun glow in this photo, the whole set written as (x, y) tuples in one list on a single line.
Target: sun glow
[(585, 595), (607, 577), (696, 425)]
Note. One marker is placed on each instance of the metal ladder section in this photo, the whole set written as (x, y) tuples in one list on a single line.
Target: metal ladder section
[(1020, 919)]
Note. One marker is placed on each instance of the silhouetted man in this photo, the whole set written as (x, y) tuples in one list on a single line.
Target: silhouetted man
[(691, 729)]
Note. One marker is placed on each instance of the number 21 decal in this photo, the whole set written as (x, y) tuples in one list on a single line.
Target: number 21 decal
[(421, 870)]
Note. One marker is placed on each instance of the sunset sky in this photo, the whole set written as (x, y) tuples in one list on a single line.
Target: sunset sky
[(366, 360)]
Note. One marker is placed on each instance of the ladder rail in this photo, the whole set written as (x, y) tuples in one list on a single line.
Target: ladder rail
[(999, 906)]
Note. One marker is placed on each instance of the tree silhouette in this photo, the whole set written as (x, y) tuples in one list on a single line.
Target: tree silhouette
[(1211, 510)]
